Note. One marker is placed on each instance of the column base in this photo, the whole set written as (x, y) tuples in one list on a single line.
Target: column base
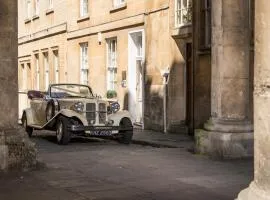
[(17, 152), (224, 145), (253, 193)]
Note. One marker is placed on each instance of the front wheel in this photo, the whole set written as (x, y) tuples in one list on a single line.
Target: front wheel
[(125, 136), (62, 132), (28, 129)]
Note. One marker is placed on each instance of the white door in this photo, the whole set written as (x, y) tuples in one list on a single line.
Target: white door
[(135, 76)]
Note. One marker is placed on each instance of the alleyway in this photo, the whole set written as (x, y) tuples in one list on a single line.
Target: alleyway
[(90, 169)]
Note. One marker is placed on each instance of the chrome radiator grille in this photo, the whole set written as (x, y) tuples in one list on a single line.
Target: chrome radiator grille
[(91, 113), (102, 113)]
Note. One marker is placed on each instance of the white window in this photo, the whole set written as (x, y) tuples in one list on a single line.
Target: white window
[(83, 8), (24, 77), (28, 9), (117, 3), (46, 70), (56, 66), (36, 7), (111, 64), (84, 63), (50, 4), (37, 71), (183, 12)]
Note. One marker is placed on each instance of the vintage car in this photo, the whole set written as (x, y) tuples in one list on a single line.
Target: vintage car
[(73, 109)]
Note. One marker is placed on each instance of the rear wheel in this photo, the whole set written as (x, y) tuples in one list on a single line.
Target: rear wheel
[(62, 132), (29, 130), (125, 136)]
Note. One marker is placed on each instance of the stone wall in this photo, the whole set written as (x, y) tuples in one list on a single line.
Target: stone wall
[(16, 151)]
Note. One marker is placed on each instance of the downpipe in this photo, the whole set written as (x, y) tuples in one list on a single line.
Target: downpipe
[(166, 75)]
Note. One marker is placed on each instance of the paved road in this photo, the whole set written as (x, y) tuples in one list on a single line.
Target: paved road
[(106, 170)]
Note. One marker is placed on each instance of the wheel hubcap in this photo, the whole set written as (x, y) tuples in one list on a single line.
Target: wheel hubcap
[(59, 131)]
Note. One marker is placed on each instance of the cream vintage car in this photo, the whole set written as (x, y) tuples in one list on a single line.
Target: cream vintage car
[(73, 109)]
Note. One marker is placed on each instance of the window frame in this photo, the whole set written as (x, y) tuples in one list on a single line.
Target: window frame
[(37, 71), (111, 63), (84, 64), (56, 65), (28, 10), (50, 4), (118, 3), (36, 7), (46, 67), (179, 15), (83, 12)]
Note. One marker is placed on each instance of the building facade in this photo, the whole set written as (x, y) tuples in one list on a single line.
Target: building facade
[(121, 47), (88, 45)]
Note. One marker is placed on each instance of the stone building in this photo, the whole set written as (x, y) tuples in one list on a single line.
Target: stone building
[(127, 46), (121, 45), (221, 78)]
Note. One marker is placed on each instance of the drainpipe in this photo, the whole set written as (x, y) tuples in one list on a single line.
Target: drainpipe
[(165, 73)]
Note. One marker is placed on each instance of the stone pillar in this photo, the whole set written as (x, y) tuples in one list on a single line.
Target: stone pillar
[(229, 133), (16, 151), (260, 188)]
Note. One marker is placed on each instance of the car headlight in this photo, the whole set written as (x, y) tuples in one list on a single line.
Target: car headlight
[(79, 106), (115, 107)]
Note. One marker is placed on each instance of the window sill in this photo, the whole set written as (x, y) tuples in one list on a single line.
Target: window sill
[(182, 31), (118, 8), (35, 17), (26, 21), (81, 19), (49, 11)]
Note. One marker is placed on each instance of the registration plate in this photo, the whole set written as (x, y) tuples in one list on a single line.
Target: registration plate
[(101, 133)]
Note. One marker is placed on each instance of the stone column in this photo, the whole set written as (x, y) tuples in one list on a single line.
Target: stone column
[(16, 151), (260, 188), (229, 133)]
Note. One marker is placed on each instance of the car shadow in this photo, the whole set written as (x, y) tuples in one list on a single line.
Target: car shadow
[(50, 137)]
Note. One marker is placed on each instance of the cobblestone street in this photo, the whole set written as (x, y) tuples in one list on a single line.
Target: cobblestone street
[(104, 169)]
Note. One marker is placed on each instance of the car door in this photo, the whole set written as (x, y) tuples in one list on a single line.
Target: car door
[(36, 105)]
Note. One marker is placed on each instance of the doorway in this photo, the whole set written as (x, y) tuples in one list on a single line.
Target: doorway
[(135, 76)]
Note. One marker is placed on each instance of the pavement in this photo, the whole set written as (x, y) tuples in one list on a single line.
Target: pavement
[(158, 139), (154, 167)]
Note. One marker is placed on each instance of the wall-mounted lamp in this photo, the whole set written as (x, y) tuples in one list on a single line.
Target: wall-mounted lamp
[(165, 73), (99, 37)]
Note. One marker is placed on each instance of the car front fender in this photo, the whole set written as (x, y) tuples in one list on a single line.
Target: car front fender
[(73, 114), (117, 117)]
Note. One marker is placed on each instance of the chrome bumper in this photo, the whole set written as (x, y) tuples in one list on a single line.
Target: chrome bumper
[(76, 128)]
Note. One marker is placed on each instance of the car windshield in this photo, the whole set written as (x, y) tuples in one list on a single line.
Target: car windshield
[(70, 91)]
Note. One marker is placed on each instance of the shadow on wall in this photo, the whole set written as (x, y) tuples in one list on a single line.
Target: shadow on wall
[(154, 100)]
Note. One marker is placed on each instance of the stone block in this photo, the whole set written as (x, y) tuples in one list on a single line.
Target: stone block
[(3, 156), (224, 145), (17, 152)]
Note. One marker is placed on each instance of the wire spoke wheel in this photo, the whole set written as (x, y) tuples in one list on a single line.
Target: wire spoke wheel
[(63, 134), (59, 131)]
